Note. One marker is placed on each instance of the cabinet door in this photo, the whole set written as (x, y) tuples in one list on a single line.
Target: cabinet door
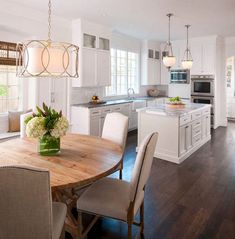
[(133, 120), (125, 109), (157, 72), (88, 64), (208, 59), (208, 125), (182, 139), (188, 137), (196, 51), (151, 72), (103, 68), (165, 75), (95, 126)]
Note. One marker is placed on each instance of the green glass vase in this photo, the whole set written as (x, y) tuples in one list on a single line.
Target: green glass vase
[(49, 145)]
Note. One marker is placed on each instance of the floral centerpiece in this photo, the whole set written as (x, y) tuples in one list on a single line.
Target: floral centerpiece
[(48, 126)]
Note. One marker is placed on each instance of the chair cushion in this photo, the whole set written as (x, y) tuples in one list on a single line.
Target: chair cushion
[(59, 213), (107, 197)]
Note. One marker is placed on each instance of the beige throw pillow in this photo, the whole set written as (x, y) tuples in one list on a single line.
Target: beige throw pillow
[(14, 121)]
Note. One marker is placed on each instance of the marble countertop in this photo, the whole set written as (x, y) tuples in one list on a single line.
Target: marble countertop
[(116, 102), (163, 109)]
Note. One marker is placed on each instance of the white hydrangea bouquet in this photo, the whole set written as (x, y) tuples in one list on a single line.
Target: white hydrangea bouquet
[(48, 126)]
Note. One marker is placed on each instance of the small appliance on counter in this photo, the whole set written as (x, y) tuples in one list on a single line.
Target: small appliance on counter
[(202, 91), (180, 76)]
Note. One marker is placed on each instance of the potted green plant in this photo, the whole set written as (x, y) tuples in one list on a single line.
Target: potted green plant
[(48, 126)]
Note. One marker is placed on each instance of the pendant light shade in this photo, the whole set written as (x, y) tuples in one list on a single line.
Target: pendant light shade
[(169, 59), (187, 61), (46, 58)]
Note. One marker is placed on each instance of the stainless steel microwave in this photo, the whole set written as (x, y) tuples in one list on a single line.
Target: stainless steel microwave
[(202, 85), (180, 76)]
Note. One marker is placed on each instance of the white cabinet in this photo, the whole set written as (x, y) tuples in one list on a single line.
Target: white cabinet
[(88, 65), (151, 103), (179, 136), (94, 54), (103, 68), (90, 121), (203, 58), (206, 126), (150, 63), (185, 140), (95, 125)]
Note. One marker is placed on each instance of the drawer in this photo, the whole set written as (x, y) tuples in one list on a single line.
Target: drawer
[(197, 130), (106, 111), (117, 108), (196, 115), (206, 111), (95, 112), (185, 119), (196, 123), (196, 139)]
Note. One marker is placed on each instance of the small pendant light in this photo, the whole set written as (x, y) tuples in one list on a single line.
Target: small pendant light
[(169, 60), (187, 61)]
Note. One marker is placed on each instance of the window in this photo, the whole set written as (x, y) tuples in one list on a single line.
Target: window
[(9, 83), (124, 72)]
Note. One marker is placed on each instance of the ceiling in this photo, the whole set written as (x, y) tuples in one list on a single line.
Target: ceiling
[(146, 19)]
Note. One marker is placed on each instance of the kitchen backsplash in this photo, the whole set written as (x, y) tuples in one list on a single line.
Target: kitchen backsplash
[(83, 95)]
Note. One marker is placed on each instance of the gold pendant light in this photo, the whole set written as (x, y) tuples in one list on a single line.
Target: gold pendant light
[(169, 59), (187, 61), (47, 58)]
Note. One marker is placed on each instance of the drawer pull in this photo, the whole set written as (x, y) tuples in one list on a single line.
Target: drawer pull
[(198, 131), (95, 113)]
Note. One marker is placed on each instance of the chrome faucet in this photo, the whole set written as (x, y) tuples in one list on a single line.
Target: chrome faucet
[(129, 94)]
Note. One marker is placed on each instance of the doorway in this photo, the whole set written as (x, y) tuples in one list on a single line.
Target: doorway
[(230, 87)]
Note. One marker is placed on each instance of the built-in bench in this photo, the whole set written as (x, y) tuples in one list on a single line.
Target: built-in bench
[(4, 128)]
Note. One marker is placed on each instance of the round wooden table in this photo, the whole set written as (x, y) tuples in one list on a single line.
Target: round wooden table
[(83, 160)]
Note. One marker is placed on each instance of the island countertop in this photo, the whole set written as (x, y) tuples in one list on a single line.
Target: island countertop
[(165, 110)]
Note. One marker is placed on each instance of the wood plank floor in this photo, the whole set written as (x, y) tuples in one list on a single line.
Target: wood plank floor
[(193, 200)]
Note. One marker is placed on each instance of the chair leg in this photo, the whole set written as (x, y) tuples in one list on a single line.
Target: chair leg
[(142, 218), (129, 230), (80, 227), (62, 235), (120, 174)]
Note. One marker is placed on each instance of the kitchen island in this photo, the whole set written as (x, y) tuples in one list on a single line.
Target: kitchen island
[(182, 131)]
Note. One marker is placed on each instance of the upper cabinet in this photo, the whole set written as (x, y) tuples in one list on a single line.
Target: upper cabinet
[(150, 63), (203, 53), (94, 54)]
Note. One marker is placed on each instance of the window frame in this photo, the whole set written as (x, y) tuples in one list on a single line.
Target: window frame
[(127, 51)]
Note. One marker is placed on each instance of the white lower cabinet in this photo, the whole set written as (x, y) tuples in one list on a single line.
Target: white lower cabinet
[(193, 129), (206, 125), (90, 121), (95, 125), (185, 138)]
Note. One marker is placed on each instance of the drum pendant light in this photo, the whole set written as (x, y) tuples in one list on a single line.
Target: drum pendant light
[(187, 61), (169, 59), (47, 58)]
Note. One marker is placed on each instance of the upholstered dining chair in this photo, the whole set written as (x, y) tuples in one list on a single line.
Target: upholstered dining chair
[(115, 129), (26, 209), (118, 199)]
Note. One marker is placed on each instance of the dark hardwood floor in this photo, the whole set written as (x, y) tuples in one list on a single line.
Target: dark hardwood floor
[(193, 200)]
